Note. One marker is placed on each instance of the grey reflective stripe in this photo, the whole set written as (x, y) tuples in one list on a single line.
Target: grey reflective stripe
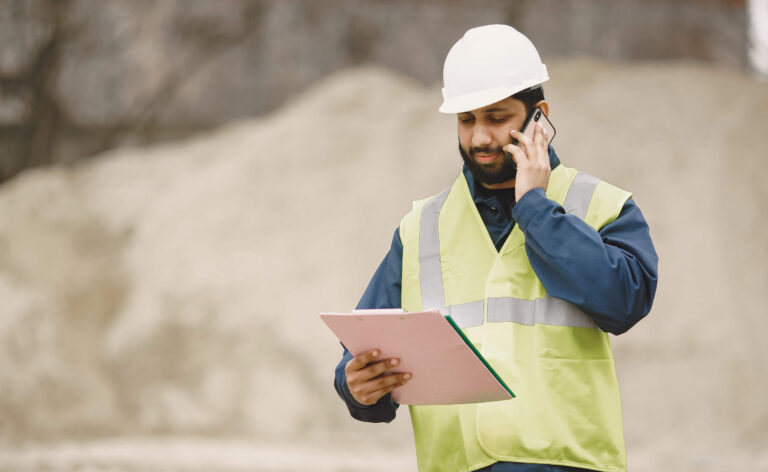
[(430, 271), (547, 310), (467, 315), (580, 194)]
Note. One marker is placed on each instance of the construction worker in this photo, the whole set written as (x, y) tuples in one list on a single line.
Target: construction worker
[(536, 261)]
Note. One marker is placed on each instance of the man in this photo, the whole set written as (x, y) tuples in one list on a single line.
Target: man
[(536, 261)]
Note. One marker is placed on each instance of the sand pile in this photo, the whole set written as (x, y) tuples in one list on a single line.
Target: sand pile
[(175, 289)]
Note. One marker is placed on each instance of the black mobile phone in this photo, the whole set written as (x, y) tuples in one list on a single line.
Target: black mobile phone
[(534, 117)]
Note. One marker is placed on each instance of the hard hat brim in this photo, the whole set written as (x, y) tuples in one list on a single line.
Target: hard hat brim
[(475, 100), (483, 98)]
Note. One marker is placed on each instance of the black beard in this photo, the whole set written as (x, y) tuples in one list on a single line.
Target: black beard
[(486, 174)]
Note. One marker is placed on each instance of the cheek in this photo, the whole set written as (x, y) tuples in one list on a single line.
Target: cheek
[(465, 137), (503, 137)]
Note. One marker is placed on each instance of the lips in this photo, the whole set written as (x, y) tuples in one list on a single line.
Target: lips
[(485, 158)]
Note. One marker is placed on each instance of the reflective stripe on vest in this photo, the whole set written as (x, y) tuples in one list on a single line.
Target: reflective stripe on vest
[(548, 310), (580, 194), (431, 277)]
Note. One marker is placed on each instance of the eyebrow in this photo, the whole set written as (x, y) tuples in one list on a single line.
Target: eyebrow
[(489, 110)]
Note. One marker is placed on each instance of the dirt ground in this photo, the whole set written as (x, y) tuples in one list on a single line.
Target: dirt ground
[(160, 304)]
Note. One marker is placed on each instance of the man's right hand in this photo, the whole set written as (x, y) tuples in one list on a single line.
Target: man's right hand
[(365, 380)]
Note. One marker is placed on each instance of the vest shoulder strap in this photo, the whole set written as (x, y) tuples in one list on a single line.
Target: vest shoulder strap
[(410, 236), (605, 205), (409, 224)]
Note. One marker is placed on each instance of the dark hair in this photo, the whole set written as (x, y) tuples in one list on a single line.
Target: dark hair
[(530, 96)]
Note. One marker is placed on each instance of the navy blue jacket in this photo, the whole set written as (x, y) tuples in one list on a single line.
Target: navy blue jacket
[(610, 274)]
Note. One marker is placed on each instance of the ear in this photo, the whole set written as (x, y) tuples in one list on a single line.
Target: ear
[(544, 106)]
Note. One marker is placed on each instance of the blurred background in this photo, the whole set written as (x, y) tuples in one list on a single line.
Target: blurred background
[(185, 185)]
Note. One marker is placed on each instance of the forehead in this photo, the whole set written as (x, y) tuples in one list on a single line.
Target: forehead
[(509, 104)]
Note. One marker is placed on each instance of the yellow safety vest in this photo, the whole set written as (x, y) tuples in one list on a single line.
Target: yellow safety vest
[(551, 354)]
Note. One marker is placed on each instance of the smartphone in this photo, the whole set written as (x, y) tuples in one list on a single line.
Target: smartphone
[(529, 127)]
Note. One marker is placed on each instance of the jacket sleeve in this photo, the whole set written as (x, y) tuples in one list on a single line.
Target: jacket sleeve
[(383, 292), (611, 274)]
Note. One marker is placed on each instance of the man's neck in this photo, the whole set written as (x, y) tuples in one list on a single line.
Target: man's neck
[(501, 185)]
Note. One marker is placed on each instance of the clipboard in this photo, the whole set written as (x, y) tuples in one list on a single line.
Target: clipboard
[(447, 368)]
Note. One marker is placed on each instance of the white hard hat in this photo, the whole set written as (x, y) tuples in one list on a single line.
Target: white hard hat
[(488, 64)]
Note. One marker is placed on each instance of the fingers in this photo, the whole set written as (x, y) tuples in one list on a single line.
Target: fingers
[(377, 368), (361, 360), (532, 161), (368, 384), (368, 371), (522, 139), (516, 152), (370, 392), (365, 377), (366, 363), (531, 145), (526, 147)]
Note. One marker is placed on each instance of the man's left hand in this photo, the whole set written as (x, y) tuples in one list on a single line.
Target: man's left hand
[(532, 159)]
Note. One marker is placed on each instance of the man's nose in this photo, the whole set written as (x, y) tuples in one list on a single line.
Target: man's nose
[(481, 137)]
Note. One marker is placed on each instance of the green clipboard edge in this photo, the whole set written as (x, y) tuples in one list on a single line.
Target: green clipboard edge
[(479, 356)]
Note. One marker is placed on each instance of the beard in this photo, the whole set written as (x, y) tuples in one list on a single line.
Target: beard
[(493, 172)]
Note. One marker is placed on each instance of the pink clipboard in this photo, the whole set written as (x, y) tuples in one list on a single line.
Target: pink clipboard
[(446, 367)]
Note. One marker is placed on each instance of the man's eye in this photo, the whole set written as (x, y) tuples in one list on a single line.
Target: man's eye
[(499, 119), (467, 120)]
